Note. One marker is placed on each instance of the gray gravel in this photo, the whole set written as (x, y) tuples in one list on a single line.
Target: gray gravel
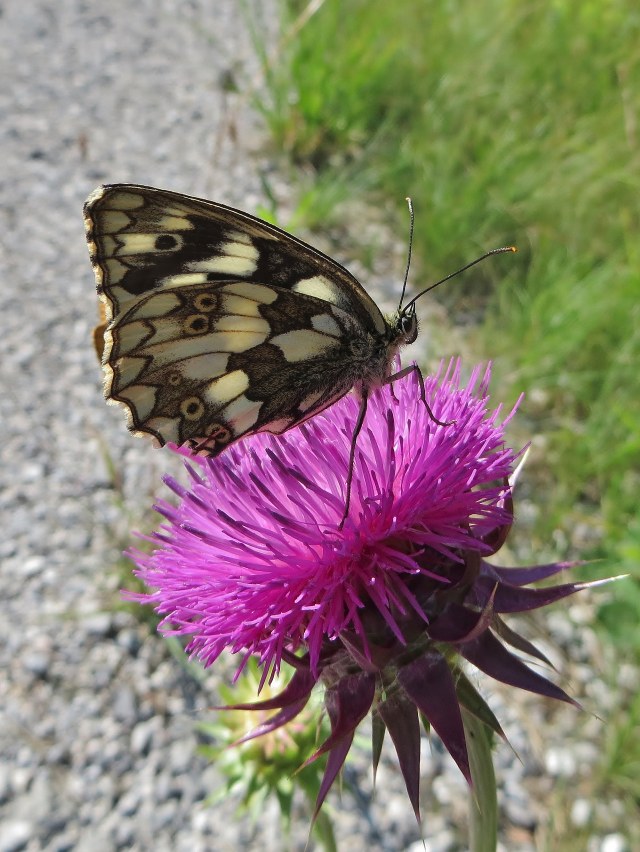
[(96, 717)]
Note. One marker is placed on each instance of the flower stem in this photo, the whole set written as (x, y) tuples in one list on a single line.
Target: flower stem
[(483, 802)]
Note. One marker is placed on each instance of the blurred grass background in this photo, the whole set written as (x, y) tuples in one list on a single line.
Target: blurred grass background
[(507, 122)]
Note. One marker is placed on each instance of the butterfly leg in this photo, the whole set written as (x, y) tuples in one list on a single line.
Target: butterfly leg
[(362, 411), (413, 368)]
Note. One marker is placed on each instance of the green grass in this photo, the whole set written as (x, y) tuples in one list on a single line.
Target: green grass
[(507, 122)]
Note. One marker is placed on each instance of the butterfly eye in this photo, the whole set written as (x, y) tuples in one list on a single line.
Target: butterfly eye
[(409, 324)]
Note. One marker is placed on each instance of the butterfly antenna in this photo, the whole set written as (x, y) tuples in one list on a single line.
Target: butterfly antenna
[(502, 250), (406, 274)]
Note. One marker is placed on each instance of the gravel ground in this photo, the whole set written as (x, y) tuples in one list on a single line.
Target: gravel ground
[(97, 719)]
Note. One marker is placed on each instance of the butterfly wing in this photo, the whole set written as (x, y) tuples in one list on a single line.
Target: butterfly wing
[(218, 324)]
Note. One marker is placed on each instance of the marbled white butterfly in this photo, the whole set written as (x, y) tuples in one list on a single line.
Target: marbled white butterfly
[(219, 325)]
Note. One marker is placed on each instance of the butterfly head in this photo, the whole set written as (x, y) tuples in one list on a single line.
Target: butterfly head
[(405, 322), (405, 325)]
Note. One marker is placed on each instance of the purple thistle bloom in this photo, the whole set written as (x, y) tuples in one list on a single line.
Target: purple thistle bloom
[(253, 560)]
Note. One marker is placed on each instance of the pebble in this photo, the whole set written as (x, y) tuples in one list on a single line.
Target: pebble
[(36, 664), (143, 735), (125, 706), (15, 835), (5, 784)]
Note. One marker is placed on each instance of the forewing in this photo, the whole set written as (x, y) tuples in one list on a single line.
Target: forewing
[(144, 240)]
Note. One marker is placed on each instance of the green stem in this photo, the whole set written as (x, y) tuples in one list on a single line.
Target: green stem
[(483, 801)]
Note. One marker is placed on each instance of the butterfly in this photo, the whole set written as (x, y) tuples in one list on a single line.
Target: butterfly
[(219, 325)]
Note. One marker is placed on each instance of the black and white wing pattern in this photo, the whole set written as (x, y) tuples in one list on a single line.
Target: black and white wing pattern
[(219, 325)]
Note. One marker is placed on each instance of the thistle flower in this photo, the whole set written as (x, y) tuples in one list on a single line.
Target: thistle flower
[(382, 610)]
